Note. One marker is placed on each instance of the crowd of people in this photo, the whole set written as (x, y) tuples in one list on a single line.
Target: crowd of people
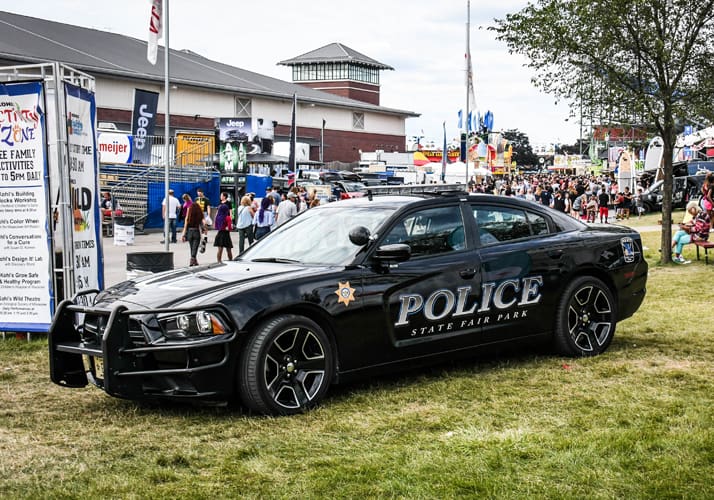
[(591, 198), (251, 218), (586, 197)]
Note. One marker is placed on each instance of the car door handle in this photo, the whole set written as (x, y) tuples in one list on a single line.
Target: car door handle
[(555, 254), (467, 274)]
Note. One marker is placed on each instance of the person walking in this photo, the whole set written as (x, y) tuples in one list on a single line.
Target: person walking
[(205, 205), (603, 201), (185, 205), (193, 228), (264, 217), (287, 209), (172, 207), (639, 202), (223, 226), (244, 222)]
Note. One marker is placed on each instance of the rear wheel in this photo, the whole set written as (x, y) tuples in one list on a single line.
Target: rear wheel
[(286, 367), (586, 318)]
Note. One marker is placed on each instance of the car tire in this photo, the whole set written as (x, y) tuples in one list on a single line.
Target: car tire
[(286, 366), (586, 318)]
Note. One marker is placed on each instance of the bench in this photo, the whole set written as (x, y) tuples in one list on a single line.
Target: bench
[(706, 245)]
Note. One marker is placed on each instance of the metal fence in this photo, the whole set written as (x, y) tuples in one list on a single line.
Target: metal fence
[(138, 188)]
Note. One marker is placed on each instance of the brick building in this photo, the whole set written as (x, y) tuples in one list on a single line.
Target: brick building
[(336, 87)]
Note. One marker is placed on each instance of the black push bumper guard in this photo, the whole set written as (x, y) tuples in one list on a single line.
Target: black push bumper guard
[(117, 350)]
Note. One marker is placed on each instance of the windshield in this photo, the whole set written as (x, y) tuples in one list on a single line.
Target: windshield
[(318, 236)]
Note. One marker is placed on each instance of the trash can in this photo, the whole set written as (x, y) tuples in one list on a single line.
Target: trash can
[(123, 230), (144, 263)]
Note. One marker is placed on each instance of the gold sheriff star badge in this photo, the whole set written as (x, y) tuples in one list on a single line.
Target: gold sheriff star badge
[(345, 293)]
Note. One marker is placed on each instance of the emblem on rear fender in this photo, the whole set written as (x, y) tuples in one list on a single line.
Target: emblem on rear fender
[(628, 249)]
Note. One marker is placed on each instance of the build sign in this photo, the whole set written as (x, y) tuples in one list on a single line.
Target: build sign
[(86, 223)]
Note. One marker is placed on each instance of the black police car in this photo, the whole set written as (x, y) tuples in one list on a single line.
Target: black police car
[(351, 289)]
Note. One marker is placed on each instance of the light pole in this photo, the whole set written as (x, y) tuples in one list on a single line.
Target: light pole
[(580, 141)]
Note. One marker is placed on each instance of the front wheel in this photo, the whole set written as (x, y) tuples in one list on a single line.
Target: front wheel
[(586, 318), (286, 367)]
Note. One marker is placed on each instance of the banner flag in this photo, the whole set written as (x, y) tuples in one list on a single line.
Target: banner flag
[(461, 119), (143, 122), (84, 179), (488, 121), (292, 164), (234, 136), (155, 31)]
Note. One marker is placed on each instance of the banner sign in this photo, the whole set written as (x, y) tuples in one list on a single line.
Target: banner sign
[(114, 148), (25, 273), (615, 134), (194, 148), (233, 133), (436, 156), (143, 122), (83, 168)]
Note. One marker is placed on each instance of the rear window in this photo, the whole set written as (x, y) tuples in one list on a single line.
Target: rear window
[(499, 224)]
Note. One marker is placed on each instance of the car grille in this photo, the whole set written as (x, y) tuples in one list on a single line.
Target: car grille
[(95, 325)]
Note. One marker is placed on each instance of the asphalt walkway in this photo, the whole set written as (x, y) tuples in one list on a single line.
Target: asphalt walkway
[(115, 255)]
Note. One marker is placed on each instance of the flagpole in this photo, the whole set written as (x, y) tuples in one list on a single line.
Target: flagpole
[(292, 161), (467, 116), (167, 118), (322, 142), (443, 156)]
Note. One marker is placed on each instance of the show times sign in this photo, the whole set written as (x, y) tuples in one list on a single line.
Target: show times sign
[(86, 223)]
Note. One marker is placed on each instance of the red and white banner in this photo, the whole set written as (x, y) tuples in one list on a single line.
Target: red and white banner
[(155, 31)]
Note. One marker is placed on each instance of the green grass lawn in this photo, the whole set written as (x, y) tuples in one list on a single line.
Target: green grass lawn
[(635, 422)]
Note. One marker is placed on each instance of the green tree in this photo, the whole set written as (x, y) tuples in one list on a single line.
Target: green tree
[(626, 61), (523, 153)]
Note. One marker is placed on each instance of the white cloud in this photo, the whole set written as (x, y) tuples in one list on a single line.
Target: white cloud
[(424, 41)]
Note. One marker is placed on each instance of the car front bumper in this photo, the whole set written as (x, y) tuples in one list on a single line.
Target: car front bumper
[(108, 349)]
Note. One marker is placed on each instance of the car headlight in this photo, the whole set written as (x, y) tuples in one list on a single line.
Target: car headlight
[(193, 324)]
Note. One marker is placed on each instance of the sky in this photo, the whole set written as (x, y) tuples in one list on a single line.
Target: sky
[(424, 41)]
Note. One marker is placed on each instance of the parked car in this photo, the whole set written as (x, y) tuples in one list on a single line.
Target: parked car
[(338, 175), (683, 190), (343, 190), (349, 290)]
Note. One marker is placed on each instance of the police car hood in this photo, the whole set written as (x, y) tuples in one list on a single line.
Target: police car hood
[(191, 284)]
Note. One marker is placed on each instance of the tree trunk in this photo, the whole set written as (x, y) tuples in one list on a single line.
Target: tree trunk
[(668, 148)]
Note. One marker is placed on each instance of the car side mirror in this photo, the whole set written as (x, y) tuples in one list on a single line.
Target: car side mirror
[(398, 252), (359, 236)]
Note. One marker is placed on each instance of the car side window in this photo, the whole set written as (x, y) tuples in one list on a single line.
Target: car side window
[(539, 225), (497, 224), (430, 232)]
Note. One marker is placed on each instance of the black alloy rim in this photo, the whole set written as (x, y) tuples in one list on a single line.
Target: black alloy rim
[(295, 368)]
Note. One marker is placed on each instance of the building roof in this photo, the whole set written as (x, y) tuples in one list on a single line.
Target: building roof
[(30, 40), (335, 52)]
